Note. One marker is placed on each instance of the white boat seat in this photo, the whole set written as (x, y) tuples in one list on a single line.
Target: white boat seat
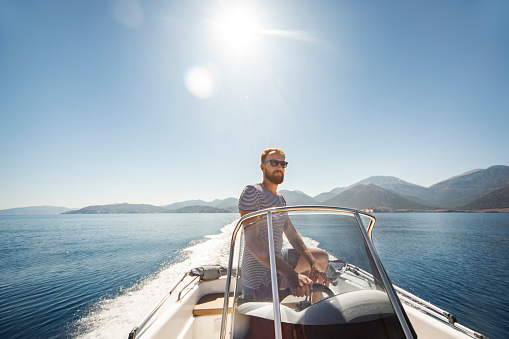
[(351, 307), (212, 304)]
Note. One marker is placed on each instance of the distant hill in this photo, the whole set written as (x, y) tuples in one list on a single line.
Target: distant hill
[(297, 198), (225, 203), (498, 199), (119, 209), (329, 195), (374, 197), (186, 203), (219, 203), (383, 181), (35, 210), (452, 193), (469, 172), (464, 189), (401, 187), (201, 209), (324, 196)]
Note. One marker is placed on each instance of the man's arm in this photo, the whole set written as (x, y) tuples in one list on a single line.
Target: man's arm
[(299, 284), (298, 244), (259, 249)]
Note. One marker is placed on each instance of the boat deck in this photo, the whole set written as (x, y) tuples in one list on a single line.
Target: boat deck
[(212, 304)]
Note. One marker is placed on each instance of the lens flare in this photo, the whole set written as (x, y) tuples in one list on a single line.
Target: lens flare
[(203, 81)]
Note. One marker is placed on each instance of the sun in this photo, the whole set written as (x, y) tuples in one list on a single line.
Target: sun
[(238, 30)]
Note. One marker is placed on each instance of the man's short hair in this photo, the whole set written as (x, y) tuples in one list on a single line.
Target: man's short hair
[(270, 150)]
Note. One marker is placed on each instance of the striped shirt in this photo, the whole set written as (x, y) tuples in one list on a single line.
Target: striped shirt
[(256, 197)]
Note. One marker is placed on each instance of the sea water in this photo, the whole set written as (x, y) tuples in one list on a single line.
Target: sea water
[(96, 276)]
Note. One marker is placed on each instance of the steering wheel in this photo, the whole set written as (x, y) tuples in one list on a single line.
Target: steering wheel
[(321, 288), (316, 287)]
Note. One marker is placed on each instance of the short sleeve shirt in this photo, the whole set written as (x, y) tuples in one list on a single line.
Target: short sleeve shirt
[(253, 198)]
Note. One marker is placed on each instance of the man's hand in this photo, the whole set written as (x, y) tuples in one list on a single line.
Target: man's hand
[(318, 274), (300, 284)]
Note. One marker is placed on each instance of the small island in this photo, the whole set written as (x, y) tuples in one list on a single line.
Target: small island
[(126, 208)]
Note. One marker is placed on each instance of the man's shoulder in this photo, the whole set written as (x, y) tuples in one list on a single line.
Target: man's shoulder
[(250, 198), (252, 188)]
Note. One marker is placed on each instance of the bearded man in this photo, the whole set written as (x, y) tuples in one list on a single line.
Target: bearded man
[(298, 267)]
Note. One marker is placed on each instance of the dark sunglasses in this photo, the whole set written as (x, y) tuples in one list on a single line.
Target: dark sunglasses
[(276, 163)]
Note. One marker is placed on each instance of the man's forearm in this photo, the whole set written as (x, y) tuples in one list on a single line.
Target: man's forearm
[(309, 257), (282, 267), (301, 248)]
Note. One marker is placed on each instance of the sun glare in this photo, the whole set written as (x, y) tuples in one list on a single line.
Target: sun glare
[(238, 30)]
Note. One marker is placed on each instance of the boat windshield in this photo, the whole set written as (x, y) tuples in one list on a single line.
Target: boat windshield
[(350, 296)]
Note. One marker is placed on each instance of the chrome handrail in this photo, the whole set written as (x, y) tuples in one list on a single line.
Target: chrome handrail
[(428, 308), (385, 279), (149, 315), (273, 273)]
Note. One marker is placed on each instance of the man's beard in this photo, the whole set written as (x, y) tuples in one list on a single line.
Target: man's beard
[(275, 179)]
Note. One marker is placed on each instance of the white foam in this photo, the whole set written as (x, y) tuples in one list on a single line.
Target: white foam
[(309, 242), (115, 317)]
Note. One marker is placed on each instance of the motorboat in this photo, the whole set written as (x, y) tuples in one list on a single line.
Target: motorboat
[(357, 300)]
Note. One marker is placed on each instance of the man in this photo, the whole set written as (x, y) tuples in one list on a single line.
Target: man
[(298, 267)]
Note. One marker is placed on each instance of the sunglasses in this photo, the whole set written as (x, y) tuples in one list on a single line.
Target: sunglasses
[(276, 163)]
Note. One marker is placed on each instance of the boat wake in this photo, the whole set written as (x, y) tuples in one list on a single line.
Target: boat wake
[(114, 317)]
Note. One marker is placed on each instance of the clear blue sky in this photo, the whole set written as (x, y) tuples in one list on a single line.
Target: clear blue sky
[(163, 101)]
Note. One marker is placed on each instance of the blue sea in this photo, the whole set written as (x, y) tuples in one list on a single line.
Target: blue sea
[(96, 276)]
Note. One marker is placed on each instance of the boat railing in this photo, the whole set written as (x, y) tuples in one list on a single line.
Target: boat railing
[(146, 319), (203, 273), (430, 309), (421, 304)]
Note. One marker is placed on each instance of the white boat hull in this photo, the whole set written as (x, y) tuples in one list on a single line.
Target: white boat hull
[(184, 320)]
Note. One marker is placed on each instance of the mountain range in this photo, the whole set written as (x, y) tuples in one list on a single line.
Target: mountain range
[(34, 210), (477, 190), (126, 208)]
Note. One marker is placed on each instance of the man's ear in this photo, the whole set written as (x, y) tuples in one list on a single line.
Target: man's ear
[(262, 167)]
